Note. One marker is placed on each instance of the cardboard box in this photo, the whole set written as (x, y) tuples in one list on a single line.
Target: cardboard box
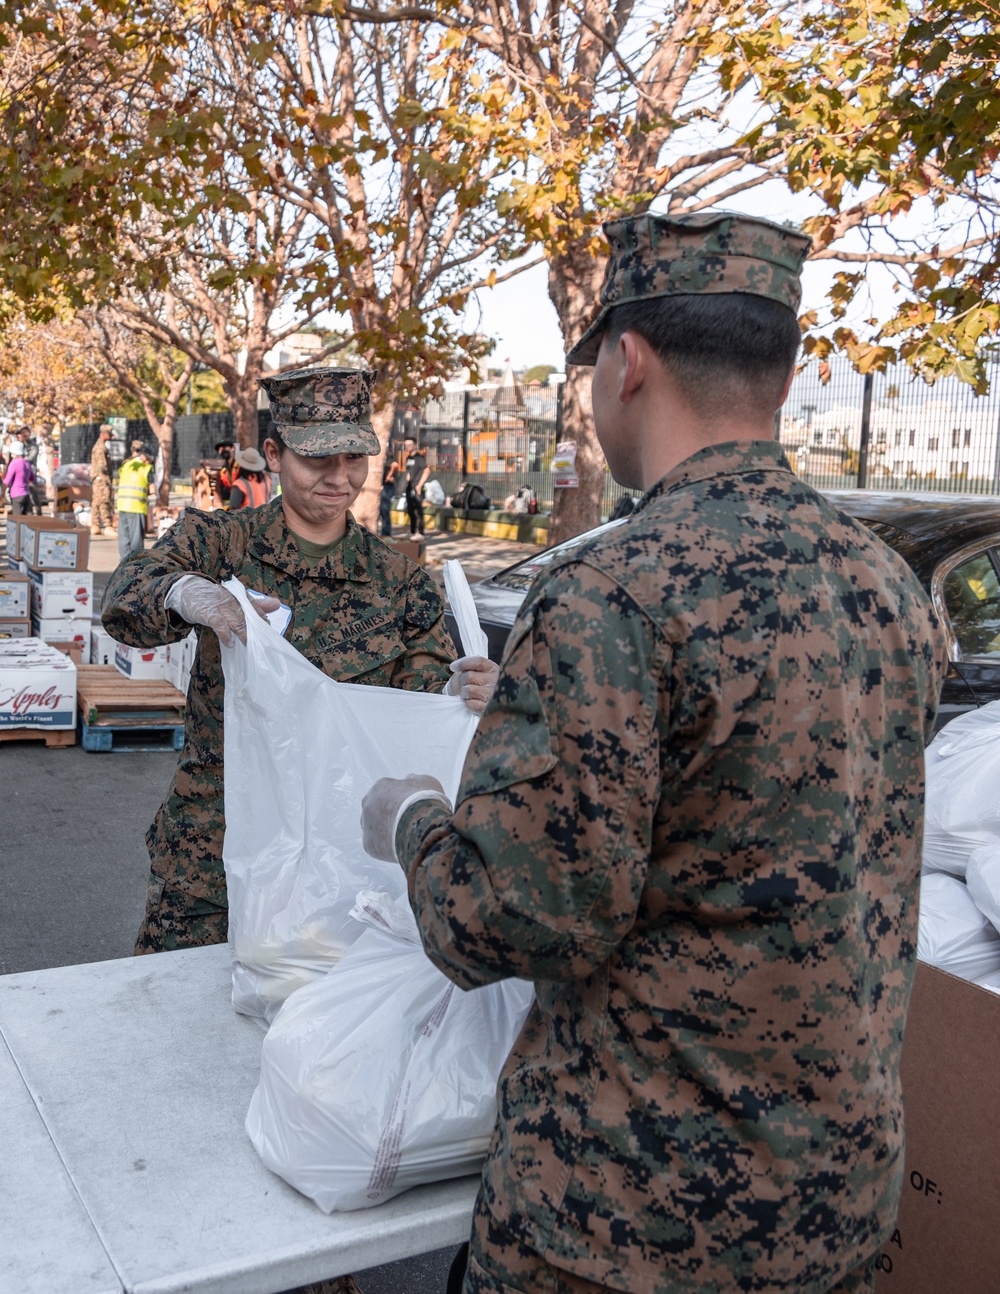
[(62, 595), (15, 564), (72, 650), (53, 544), (140, 662), (414, 549), (12, 538), (949, 1212), (62, 632), (102, 646), (37, 686), (180, 659), (15, 629), (15, 597)]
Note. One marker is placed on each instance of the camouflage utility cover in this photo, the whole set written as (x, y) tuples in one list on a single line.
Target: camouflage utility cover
[(321, 411), (363, 613), (706, 252), (692, 815)]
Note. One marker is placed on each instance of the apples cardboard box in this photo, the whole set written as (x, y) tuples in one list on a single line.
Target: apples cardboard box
[(61, 595), (15, 600), (140, 662), (63, 632), (15, 628), (37, 685), (51, 544)]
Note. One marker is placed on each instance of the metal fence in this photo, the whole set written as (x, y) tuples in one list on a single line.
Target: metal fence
[(892, 431), (497, 437), (885, 431)]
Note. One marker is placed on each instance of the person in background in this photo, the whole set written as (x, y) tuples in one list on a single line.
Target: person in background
[(251, 483), (18, 480), (692, 815), (415, 474), (390, 474), (134, 477), (36, 492), (101, 513), (226, 450)]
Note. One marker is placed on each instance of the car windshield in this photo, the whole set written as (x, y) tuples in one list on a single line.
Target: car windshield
[(972, 596), (521, 577)]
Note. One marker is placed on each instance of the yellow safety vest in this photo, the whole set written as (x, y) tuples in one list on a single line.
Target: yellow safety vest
[(133, 486)]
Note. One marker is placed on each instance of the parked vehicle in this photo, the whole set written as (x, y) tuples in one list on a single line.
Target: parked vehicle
[(950, 541)]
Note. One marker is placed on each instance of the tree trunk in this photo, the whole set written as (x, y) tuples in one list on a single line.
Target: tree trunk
[(243, 406), (574, 288), (366, 506)]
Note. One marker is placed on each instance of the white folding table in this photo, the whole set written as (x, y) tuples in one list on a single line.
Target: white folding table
[(124, 1164)]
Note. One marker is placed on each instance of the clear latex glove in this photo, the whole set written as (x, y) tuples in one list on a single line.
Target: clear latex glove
[(200, 602), (385, 804), (474, 679)]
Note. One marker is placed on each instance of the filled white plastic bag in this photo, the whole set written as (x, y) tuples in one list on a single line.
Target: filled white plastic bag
[(953, 934), (382, 1075), (963, 773), (300, 753), (983, 880)]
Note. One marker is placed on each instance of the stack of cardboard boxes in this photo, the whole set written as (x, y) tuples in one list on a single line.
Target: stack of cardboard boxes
[(49, 582)]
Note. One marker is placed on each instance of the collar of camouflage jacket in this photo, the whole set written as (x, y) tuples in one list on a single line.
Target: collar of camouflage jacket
[(273, 544), (731, 458)]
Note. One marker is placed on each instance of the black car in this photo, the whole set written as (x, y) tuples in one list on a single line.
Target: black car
[(950, 541)]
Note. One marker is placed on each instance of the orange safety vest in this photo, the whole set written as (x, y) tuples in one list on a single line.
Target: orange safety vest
[(255, 492)]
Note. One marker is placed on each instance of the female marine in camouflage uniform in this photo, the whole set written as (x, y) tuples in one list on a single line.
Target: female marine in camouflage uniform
[(361, 612)]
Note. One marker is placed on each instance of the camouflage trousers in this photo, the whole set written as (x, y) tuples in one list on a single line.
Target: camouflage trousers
[(499, 1263), (101, 513), (175, 919)]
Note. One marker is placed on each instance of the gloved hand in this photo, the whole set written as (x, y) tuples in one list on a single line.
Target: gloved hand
[(384, 804), (201, 602), (474, 679)]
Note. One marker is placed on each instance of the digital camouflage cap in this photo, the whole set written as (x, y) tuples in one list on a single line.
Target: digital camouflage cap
[(320, 411), (687, 255)]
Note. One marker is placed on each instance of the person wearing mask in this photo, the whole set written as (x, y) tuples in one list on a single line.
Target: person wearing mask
[(134, 477), (226, 450), (251, 484), (692, 815), (18, 480)]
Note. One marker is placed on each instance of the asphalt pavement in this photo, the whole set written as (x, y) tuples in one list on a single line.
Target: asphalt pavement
[(73, 862)]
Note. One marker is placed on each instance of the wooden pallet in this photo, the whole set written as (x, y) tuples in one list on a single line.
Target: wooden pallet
[(53, 737), (124, 714)]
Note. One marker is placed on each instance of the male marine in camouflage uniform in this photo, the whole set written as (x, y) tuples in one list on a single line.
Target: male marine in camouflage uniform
[(101, 513), (361, 612), (692, 814)]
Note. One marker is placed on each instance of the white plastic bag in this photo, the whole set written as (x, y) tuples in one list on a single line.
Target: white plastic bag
[(300, 753), (983, 880), (953, 934), (434, 492), (963, 774), (382, 1075)]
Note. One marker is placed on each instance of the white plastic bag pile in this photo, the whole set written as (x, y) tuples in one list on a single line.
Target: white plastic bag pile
[(960, 882), (377, 1072)]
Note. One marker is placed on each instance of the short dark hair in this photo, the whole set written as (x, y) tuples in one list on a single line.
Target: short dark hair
[(275, 435), (720, 348)]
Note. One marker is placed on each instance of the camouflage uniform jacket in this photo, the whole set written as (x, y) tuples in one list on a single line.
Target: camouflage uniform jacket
[(692, 814), (363, 614), (99, 465)]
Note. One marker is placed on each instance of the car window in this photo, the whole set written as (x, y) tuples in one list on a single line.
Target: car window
[(972, 597), (521, 577)]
